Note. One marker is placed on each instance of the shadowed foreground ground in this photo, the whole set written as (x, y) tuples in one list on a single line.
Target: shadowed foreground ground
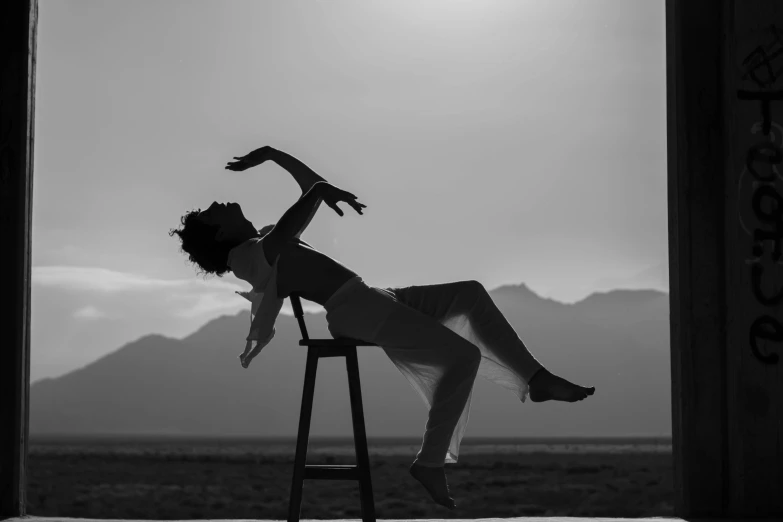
[(188, 483)]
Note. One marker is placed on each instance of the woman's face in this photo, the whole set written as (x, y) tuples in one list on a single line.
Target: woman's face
[(228, 217)]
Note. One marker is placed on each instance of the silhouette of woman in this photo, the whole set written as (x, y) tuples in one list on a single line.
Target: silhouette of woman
[(438, 336)]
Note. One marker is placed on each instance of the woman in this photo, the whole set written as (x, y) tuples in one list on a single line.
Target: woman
[(439, 336)]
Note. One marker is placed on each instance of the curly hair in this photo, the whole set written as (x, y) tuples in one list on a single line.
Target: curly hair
[(198, 242)]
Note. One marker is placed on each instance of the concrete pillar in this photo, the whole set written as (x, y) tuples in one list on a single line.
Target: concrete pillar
[(724, 59), (754, 230), (17, 97)]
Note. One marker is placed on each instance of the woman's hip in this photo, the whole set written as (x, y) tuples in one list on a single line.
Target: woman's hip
[(376, 315), (357, 310)]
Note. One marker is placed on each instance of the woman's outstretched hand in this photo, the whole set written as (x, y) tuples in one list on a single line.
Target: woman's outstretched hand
[(332, 195), (252, 159)]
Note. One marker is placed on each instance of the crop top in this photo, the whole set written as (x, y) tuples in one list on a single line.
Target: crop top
[(248, 262)]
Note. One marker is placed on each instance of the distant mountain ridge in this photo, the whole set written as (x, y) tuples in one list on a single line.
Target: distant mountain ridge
[(617, 341)]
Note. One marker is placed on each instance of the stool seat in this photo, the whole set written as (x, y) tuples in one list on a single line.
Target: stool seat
[(360, 472), (342, 341)]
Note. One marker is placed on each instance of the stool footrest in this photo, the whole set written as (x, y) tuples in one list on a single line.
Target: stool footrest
[(332, 472)]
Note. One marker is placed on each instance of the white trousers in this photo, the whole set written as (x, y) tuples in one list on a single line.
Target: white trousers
[(439, 337)]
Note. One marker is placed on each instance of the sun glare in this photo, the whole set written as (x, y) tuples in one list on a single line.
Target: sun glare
[(459, 13)]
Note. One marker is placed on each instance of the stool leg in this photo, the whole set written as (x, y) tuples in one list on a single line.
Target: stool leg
[(295, 500), (360, 437)]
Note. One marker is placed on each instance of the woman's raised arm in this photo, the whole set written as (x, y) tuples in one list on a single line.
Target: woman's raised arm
[(304, 175)]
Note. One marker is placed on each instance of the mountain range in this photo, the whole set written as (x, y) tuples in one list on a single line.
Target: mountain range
[(617, 341)]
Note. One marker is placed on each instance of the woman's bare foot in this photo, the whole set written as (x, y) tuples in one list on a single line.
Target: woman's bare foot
[(434, 480), (546, 386)]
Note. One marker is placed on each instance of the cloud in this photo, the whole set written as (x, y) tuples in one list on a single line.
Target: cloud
[(108, 281), (191, 298), (81, 313), (184, 298), (88, 312), (655, 277), (204, 304)]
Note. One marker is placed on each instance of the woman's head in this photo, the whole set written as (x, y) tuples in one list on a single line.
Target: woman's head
[(207, 237)]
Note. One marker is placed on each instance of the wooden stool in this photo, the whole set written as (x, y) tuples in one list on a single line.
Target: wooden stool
[(317, 348)]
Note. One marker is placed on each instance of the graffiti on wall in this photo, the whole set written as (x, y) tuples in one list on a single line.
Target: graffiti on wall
[(762, 67)]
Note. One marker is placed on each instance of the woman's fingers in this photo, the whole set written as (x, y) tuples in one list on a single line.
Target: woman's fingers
[(240, 164), (334, 207), (347, 197)]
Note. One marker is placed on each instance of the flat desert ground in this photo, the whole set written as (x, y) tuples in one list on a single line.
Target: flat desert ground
[(251, 479)]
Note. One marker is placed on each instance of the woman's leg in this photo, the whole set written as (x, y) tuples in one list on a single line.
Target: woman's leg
[(467, 308), (440, 365)]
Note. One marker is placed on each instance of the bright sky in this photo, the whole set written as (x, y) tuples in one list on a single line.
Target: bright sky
[(505, 141)]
